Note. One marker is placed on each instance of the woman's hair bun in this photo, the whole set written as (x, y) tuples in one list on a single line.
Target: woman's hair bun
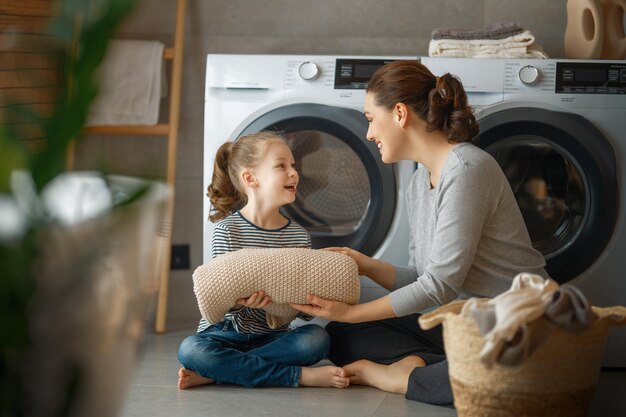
[(449, 111)]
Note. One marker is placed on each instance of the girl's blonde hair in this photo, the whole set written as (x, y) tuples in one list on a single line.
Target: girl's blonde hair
[(226, 192)]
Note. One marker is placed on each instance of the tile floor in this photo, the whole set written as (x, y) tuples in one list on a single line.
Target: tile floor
[(153, 392)]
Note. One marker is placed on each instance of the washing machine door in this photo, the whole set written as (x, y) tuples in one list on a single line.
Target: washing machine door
[(346, 195), (563, 172)]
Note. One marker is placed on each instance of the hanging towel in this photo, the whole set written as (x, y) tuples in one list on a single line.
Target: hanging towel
[(131, 78), (499, 30), (521, 45)]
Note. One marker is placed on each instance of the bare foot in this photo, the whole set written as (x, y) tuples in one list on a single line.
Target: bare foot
[(324, 376), (188, 379), (390, 378)]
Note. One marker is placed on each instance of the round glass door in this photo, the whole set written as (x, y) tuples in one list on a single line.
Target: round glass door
[(563, 173), (346, 195), (549, 189), (329, 171)]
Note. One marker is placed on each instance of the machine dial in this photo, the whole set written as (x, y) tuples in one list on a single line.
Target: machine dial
[(529, 75), (308, 71)]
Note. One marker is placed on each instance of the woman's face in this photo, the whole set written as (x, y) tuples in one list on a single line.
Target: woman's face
[(384, 129)]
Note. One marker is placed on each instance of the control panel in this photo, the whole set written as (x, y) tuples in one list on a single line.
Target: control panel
[(520, 76), (339, 73), (591, 77), (311, 72)]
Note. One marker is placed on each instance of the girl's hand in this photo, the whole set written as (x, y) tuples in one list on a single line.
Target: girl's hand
[(258, 299), (326, 309), (363, 261)]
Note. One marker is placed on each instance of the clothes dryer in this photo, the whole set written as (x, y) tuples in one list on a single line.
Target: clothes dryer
[(346, 195), (557, 128)]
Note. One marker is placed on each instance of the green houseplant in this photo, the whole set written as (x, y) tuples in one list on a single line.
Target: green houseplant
[(78, 251)]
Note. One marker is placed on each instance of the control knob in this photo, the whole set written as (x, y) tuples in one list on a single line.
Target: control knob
[(308, 71), (529, 75)]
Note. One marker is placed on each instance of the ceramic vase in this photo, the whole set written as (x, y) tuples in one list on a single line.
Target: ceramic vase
[(614, 45), (584, 33)]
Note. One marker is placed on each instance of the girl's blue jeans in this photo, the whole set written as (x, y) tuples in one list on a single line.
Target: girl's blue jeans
[(252, 360)]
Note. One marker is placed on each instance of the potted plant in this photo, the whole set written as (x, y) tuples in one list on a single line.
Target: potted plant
[(78, 251)]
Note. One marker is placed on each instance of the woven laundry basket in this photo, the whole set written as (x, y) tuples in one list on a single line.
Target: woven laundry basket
[(557, 380)]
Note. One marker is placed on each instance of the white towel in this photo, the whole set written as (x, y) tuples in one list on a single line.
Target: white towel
[(130, 84), (521, 45)]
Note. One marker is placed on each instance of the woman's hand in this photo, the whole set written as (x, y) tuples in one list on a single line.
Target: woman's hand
[(325, 309), (258, 299), (363, 261), (381, 272)]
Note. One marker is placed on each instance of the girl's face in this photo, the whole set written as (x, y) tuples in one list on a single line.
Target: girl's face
[(276, 174), (384, 129)]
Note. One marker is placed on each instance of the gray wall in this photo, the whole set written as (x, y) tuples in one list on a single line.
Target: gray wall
[(367, 27)]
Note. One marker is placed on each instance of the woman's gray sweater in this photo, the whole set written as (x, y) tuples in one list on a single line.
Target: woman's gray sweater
[(467, 234)]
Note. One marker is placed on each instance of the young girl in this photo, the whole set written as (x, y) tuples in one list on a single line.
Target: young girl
[(256, 175)]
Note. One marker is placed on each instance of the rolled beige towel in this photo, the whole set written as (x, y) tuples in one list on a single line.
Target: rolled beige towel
[(287, 275)]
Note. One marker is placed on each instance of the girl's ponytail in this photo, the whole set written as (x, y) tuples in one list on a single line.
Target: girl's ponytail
[(222, 192)]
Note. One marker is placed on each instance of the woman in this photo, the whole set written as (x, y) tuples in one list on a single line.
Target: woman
[(467, 235)]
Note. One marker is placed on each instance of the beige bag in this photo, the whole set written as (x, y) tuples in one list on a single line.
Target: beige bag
[(558, 379)]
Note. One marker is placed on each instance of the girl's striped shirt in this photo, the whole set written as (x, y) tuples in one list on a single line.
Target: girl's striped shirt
[(236, 232)]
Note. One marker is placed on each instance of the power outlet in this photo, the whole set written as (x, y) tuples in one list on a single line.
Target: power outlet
[(180, 257)]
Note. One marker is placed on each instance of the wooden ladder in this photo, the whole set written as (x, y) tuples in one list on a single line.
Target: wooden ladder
[(28, 19), (169, 129)]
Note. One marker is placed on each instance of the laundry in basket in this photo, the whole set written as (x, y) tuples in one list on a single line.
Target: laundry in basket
[(553, 374)]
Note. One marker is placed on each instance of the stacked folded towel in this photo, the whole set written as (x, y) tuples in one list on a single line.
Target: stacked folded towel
[(500, 40)]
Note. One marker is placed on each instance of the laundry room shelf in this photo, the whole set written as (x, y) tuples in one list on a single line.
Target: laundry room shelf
[(170, 130), (24, 24)]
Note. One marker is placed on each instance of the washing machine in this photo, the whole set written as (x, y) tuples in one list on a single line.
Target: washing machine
[(346, 195), (558, 130)]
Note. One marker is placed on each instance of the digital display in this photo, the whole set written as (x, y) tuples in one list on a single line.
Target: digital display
[(365, 70), (590, 77), (354, 74)]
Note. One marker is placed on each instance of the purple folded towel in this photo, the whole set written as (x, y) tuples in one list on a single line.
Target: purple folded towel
[(499, 30)]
